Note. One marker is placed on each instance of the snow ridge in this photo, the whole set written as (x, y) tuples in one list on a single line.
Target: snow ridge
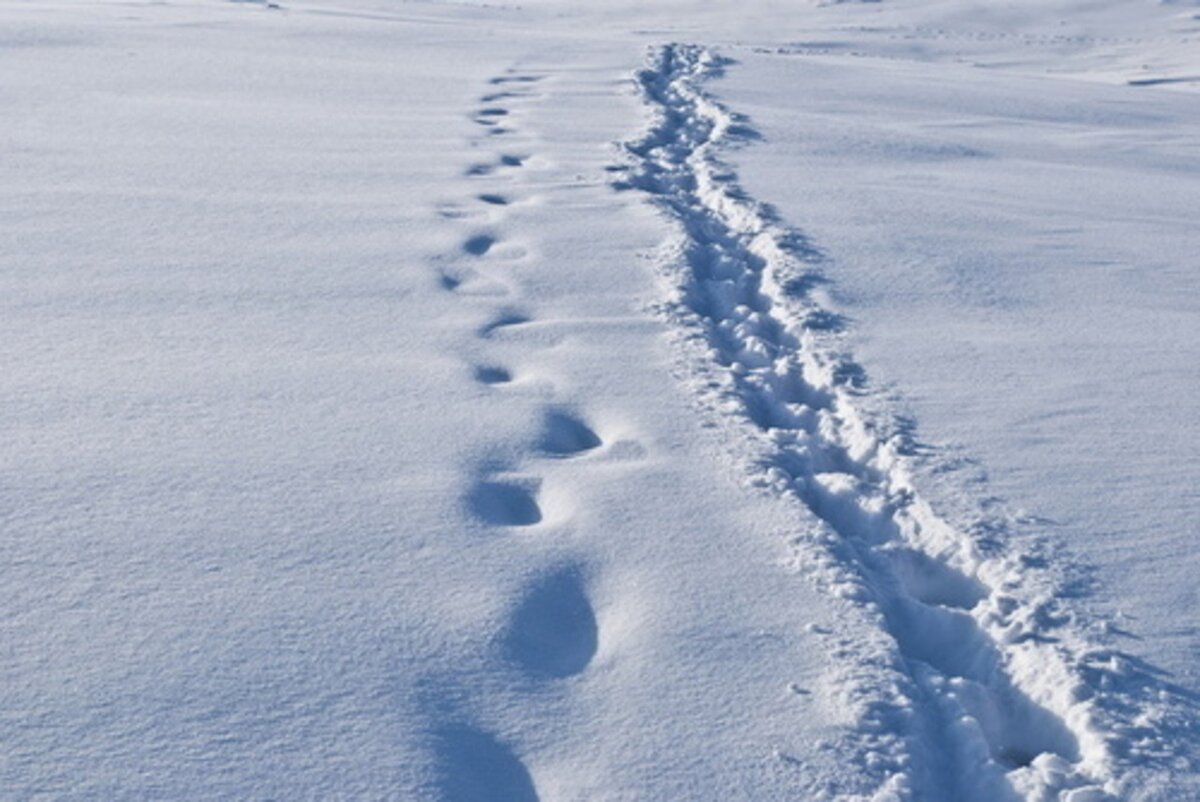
[(981, 687)]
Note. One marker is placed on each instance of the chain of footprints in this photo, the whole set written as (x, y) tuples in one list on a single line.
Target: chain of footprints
[(552, 633)]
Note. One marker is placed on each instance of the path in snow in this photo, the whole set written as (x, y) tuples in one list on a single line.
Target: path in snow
[(552, 633), (610, 624), (998, 692)]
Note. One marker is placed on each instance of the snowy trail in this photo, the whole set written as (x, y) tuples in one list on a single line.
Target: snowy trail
[(990, 694), (552, 632), (551, 499), (365, 439)]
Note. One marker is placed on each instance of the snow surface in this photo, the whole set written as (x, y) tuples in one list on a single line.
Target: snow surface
[(688, 400)]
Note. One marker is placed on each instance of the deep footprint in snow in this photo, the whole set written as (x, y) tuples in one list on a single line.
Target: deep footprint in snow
[(504, 504), (454, 212), (479, 244), (564, 434), (515, 79), (490, 115), (471, 283), (475, 767), (505, 319), (553, 631), (1015, 727), (932, 581), (492, 374), (505, 95), (505, 160), (493, 199)]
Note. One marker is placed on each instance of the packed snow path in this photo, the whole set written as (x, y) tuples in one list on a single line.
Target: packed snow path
[(992, 695)]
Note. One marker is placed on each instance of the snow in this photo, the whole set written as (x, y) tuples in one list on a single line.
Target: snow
[(1015, 259), (458, 401)]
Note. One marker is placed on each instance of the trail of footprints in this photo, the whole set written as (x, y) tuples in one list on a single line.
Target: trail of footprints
[(552, 633), (925, 577)]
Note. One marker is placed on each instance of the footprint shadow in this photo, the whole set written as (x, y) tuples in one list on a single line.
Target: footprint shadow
[(479, 244), (471, 283), (564, 434), (492, 374), (504, 504), (514, 79), (475, 767), (506, 319), (553, 633)]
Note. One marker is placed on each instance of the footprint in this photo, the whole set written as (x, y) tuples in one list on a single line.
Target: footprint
[(492, 111), (479, 244), (494, 200), (491, 374), (564, 434), (474, 767), (506, 160), (932, 581), (471, 283), (504, 320), (1016, 728), (553, 631), (453, 212), (504, 504), (515, 79)]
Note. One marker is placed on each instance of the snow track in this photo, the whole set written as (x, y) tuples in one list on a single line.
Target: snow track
[(550, 633), (982, 695)]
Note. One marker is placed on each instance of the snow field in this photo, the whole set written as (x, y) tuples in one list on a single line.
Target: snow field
[(410, 400)]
